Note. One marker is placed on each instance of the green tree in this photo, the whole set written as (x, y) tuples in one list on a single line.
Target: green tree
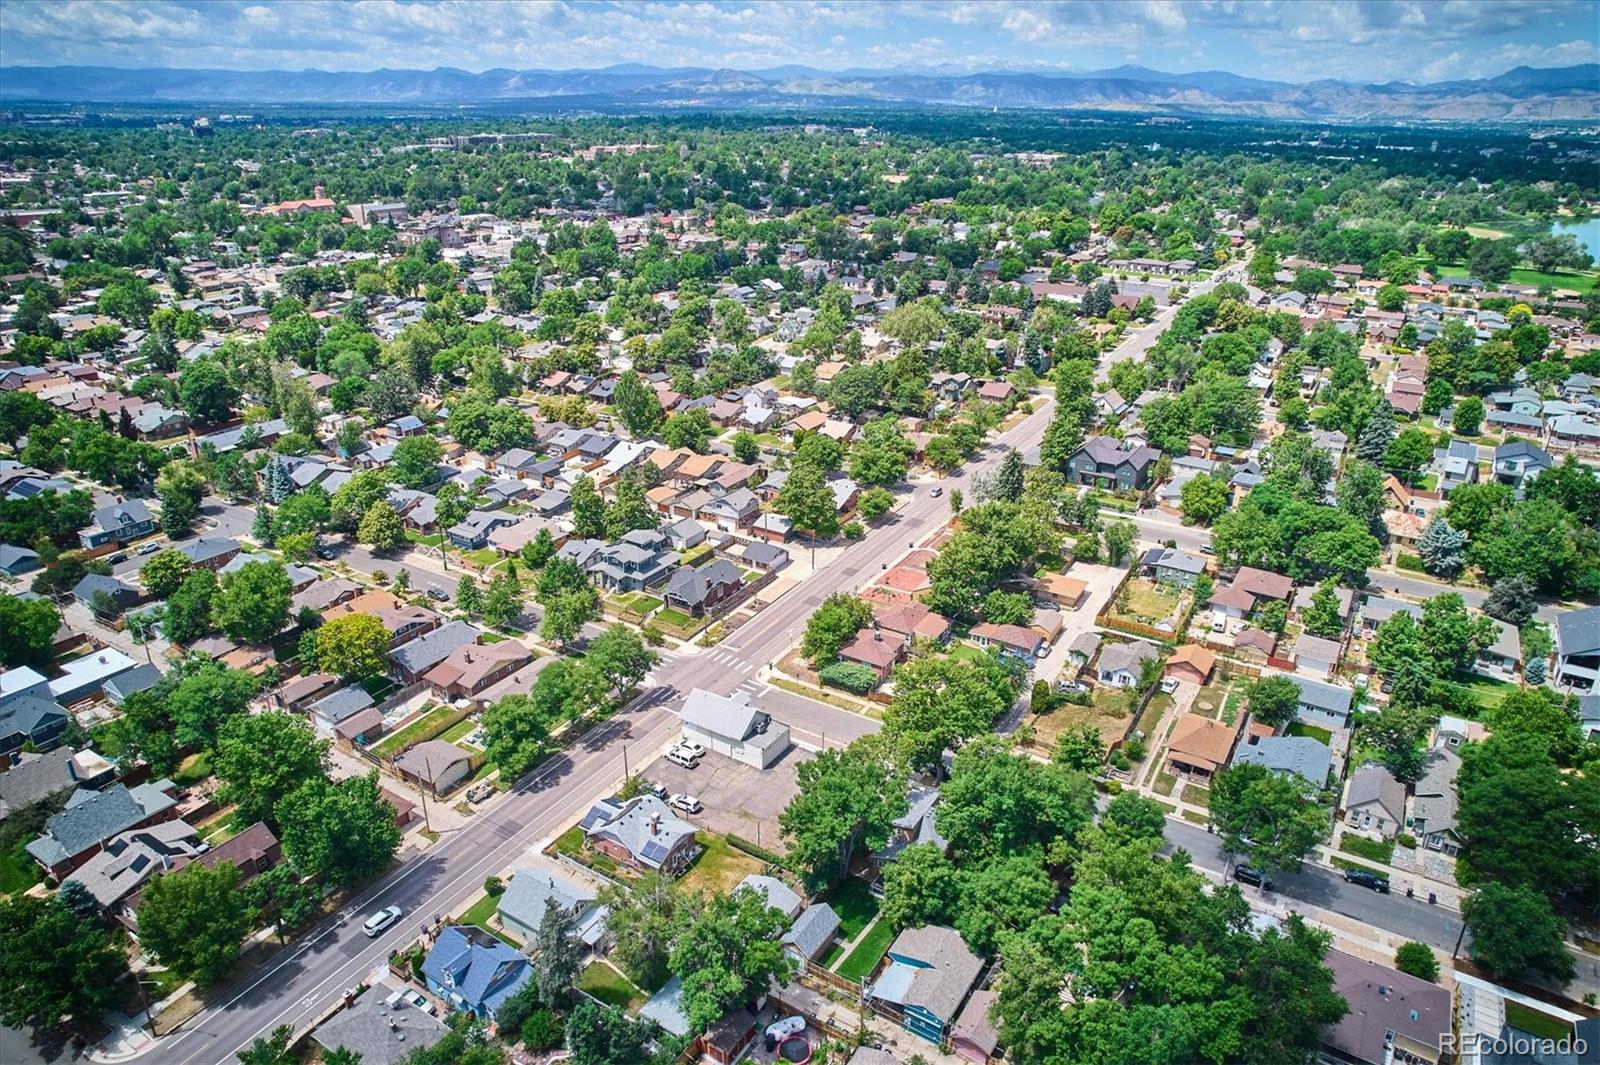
[(637, 404), (205, 393), (630, 509), (516, 729), (941, 703), (1407, 454), (846, 799), (354, 647), (1417, 959), (588, 510), (833, 625), (691, 429), (1322, 618), (920, 887), (1273, 819), (342, 831), (1515, 934), (1472, 507), (30, 627), (415, 462), (1081, 749), (557, 955), (1469, 416), (502, 600), (746, 448), (380, 526), (189, 608), (1204, 499), (194, 920), (642, 923), (252, 605), (1513, 600), (726, 952), (1000, 897), (180, 488), (604, 1035), (260, 758), (1443, 550), (1273, 700), (806, 500), (875, 502), (619, 657), (270, 1049), (54, 965)]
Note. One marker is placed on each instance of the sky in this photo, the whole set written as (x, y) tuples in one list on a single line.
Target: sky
[(1284, 40)]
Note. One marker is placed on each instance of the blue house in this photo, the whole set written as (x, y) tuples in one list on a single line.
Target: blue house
[(929, 974), (474, 971)]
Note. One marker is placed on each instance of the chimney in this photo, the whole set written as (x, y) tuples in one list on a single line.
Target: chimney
[(318, 192), (655, 824)]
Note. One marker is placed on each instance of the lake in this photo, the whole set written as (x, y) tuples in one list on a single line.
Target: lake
[(1587, 232)]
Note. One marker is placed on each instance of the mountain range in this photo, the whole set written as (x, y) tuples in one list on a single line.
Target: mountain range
[(1522, 94)]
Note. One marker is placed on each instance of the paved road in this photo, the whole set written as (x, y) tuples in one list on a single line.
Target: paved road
[(1142, 340), (304, 981)]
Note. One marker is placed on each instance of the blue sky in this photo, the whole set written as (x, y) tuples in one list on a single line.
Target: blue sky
[(1288, 40)]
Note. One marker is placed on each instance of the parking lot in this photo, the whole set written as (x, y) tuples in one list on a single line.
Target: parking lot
[(738, 798)]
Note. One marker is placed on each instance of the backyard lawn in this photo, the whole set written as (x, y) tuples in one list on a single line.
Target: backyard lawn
[(1147, 602), (399, 741), (459, 729), (719, 868), (860, 962), (1109, 715), (1300, 728), (852, 900), (193, 769), (1535, 1023), (18, 870), (1486, 691), (610, 986)]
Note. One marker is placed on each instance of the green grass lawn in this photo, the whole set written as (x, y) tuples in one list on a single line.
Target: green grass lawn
[(1580, 283), (378, 687), (852, 900), (1371, 849), (719, 867), (610, 986), (193, 770), (1526, 1019), (413, 732), (860, 962), (676, 619), (430, 540), (1487, 691), (1148, 602), (1300, 728), (1164, 783), (458, 730), (18, 870), (1159, 704), (480, 913), (965, 652), (1195, 795), (639, 602)]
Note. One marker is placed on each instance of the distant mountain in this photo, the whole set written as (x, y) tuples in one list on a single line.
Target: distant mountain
[(1522, 94)]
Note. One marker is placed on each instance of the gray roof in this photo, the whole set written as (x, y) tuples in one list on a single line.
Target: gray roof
[(429, 649), (1107, 451), (37, 778), (207, 548), (1379, 609), (1306, 757), (694, 585), (949, 971), (1373, 783), (1329, 698), (14, 559), (93, 584), (628, 825), (1383, 1001), (1172, 558), (140, 678), (531, 892), (131, 858), (1434, 801), (761, 553), (118, 515), (27, 715), (430, 759), (778, 894), (1315, 648), (345, 702), (93, 817), (1118, 656), (382, 1036), (813, 929), (728, 716), (1578, 631)]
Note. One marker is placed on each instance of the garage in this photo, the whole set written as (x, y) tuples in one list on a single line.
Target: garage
[(731, 726)]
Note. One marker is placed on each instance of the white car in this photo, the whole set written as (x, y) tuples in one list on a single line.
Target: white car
[(687, 803), (381, 920), (1169, 685), (679, 757), (693, 749), (149, 548)]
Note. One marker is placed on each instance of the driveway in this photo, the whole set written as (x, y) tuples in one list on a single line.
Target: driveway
[(738, 798)]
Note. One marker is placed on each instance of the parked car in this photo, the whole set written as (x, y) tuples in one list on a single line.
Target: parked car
[(692, 747), (381, 920), (1249, 874), (658, 790), (327, 554), (120, 556), (1169, 685), (149, 548), (480, 792), (1367, 880), (436, 592), (938, 490), (682, 758), (687, 803)]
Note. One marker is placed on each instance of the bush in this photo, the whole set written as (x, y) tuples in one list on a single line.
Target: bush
[(849, 676), (493, 885), (1410, 562), (1083, 698), (739, 843), (542, 1031), (1119, 761), (1134, 749), (1407, 840), (853, 531), (1418, 960)]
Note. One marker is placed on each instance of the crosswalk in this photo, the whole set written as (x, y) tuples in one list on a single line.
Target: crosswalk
[(722, 656)]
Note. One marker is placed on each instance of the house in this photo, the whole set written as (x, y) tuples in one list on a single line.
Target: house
[(31, 721), (1305, 757), (1168, 565), (84, 678), (927, 976), (1577, 648), (764, 557), (436, 765), (1112, 464), (698, 590), (471, 970), (641, 833), (472, 667), (129, 859), (72, 836), (1377, 609), (1323, 705), (1229, 604), (1192, 663), (1504, 655), (472, 532), (120, 523), (95, 589), (1455, 465), (877, 652), (408, 663), (380, 1026), (209, 552), (1516, 462), (974, 1036), (1374, 801), (812, 934), (1202, 745), (15, 561), (684, 534), (531, 893), (34, 777), (331, 710), (22, 681), (1015, 641), (1433, 802), (1060, 590), (912, 621), (1263, 584), (1394, 1017), (638, 561), (777, 894), (728, 725), (1121, 665)]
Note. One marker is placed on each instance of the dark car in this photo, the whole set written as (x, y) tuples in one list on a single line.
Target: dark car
[(327, 554), (1367, 880), (1249, 874)]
